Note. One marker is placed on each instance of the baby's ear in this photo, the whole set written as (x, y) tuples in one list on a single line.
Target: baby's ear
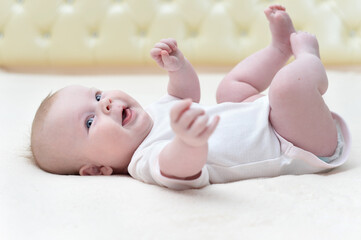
[(93, 170)]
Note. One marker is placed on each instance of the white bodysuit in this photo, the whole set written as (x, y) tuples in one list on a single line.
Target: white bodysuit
[(244, 145)]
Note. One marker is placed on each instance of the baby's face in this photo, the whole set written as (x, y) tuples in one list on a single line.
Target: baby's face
[(97, 128)]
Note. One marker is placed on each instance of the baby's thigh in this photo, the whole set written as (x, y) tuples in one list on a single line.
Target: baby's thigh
[(253, 98), (304, 119), (234, 91)]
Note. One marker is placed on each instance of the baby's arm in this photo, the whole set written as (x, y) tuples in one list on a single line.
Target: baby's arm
[(185, 156), (183, 80)]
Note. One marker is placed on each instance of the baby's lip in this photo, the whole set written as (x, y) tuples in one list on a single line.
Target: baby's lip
[(127, 114)]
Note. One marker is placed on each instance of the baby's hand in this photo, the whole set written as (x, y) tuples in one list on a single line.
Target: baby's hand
[(191, 124), (167, 55)]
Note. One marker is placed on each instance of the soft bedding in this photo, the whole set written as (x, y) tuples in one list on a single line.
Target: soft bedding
[(39, 205)]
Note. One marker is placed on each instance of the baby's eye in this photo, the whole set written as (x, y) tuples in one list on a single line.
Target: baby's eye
[(89, 122), (98, 96)]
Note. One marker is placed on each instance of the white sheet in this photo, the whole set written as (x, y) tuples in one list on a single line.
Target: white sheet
[(38, 205)]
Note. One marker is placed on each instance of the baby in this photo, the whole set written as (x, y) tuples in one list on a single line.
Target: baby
[(180, 144)]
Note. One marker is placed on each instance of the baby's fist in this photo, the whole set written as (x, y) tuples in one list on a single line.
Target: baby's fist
[(191, 124), (167, 55)]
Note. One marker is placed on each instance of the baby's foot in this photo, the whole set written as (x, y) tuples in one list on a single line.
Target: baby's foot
[(281, 27), (303, 42)]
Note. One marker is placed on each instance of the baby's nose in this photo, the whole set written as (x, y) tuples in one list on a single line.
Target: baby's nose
[(106, 105)]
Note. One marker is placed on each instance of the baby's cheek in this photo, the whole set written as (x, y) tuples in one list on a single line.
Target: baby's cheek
[(108, 136)]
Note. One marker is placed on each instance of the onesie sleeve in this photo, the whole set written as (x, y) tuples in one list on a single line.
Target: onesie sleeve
[(145, 167)]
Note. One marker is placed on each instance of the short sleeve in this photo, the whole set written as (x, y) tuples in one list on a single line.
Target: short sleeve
[(145, 167)]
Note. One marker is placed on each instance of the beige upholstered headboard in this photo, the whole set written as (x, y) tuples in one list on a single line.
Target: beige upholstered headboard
[(121, 32)]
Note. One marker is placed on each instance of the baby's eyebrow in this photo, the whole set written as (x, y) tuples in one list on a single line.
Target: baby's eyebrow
[(92, 91)]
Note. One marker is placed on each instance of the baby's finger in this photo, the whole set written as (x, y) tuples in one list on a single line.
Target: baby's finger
[(166, 58), (189, 117), (199, 125), (154, 52), (163, 46), (210, 129), (178, 109), (170, 42)]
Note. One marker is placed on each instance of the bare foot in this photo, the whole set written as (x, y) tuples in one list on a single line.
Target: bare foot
[(303, 42), (281, 27)]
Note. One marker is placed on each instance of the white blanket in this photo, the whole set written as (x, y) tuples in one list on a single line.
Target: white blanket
[(39, 205)]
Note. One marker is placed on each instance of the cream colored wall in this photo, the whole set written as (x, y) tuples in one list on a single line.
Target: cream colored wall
[(121, 32)]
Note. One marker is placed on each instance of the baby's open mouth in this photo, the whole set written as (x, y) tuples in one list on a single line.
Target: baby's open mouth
[(126, 116)]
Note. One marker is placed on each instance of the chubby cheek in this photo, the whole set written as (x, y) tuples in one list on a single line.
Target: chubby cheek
[(107, 140)]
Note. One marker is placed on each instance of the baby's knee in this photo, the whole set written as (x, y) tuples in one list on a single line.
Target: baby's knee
[(221, 93), (224, 90), (234, 91), (285, 89)]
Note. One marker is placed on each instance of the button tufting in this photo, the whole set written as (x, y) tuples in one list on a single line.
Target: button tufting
[(92, 41), (142, 32), (200, 26), (46, 35), (243, 32), (94, 34), (44, 38), (193, 33), (352, 33)]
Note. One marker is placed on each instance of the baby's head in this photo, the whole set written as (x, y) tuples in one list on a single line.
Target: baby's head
[(85, 131)]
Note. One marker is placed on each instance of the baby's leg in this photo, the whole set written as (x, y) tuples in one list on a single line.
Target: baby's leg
[(255, 73), (298, 111)]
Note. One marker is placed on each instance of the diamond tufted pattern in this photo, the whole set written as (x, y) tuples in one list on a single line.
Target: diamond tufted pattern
[(121, 32)]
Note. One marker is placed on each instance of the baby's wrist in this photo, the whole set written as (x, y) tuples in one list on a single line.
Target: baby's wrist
[(180, 67), (192, 143)]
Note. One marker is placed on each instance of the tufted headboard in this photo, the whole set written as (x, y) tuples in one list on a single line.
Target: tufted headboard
[(121, 32)]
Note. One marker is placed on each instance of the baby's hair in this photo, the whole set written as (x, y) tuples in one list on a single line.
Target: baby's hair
[(38, 121)]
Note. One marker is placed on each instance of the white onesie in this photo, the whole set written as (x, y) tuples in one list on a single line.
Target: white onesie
[(244, 145)]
